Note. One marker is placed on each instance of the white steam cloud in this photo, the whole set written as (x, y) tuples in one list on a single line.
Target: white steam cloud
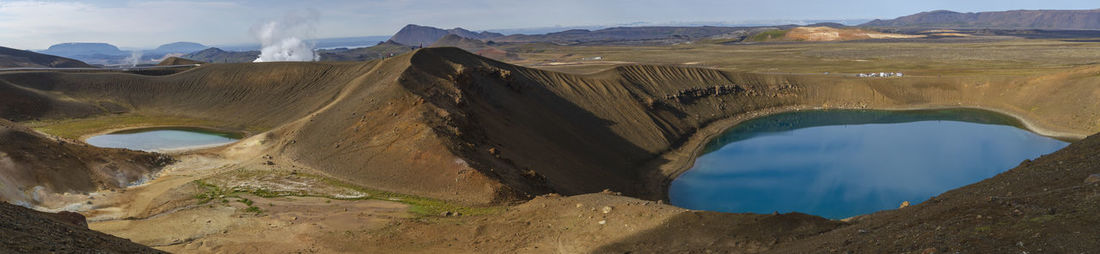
[(134, 59), (284, 40)]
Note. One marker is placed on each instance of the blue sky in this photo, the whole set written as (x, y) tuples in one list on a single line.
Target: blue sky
[(36, 24)]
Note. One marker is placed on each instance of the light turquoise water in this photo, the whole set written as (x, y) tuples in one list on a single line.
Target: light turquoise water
[(843, 163), (161, 139)]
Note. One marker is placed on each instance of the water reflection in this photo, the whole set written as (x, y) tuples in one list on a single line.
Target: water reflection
[(820, 165), (161, 139)]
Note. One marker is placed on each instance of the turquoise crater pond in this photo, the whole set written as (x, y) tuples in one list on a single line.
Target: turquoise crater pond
[(160, 139), (843, 163)]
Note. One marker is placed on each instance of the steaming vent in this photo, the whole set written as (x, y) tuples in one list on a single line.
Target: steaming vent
[(283, 41)]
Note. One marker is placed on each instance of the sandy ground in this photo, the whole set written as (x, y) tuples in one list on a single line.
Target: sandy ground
[(287, 224), (164, 213)]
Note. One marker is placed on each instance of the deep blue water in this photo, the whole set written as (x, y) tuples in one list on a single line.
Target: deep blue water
[(161, 139), (842, 163)]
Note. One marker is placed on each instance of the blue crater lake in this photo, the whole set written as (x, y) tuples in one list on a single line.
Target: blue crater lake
[(843, 163), (158, 139)]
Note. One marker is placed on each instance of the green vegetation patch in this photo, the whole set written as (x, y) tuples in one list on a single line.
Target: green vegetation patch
[(213, 192), (419, 205)]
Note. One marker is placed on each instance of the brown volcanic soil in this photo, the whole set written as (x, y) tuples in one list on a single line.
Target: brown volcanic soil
[(444, 123), (28, 231), (594, 223), (30, 160), (19, 103)]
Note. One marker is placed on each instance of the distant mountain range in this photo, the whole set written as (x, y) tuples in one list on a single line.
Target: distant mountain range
[(1008, 23), (625, 34), (743, 23), (84, 50), (10, 57), (416, 35), (1019, 19), (107, 54), (177, 47)]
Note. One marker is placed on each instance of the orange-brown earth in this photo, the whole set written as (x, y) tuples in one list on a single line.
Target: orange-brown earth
[(821, 33)]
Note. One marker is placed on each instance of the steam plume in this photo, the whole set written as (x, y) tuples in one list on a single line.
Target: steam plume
[(283, 40), (135, 58)]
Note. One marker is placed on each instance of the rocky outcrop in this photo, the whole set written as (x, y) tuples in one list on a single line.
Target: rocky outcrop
[(28, 231)]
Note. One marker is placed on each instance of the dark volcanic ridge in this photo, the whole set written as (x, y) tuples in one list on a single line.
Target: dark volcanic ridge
[(10, 57), (1018, 19)]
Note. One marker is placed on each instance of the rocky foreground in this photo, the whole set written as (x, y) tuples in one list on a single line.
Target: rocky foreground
[(27, 231)]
